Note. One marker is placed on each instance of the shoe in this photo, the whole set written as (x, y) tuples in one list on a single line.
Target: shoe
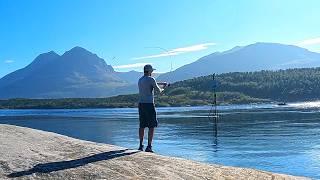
[(149, 149), (140, 148)]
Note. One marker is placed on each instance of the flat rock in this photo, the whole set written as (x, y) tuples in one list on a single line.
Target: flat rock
[(33, 154)]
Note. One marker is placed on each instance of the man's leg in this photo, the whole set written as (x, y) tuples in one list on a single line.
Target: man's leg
[(150, 136), (141, 135)]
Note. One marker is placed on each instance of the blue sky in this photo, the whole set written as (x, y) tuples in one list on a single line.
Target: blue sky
[(136, 32)]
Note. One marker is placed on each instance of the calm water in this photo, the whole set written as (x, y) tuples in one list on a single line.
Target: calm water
[(267, 137)]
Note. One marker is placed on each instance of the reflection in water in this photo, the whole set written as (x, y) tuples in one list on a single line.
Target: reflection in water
[(266, 137)]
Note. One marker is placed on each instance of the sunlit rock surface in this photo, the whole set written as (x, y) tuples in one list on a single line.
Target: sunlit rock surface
[(32, 154)]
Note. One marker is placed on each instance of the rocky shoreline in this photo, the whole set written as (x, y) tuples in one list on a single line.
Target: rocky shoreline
[(33, 154)]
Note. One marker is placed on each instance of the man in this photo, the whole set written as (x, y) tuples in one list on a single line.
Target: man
[(147, 112)]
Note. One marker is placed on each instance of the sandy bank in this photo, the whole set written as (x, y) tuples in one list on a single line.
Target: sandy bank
[(32, 154)]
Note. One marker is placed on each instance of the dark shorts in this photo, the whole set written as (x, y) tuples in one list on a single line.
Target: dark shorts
[(147, 115)]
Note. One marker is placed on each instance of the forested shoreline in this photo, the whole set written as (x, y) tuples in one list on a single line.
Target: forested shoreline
[(290, 85)]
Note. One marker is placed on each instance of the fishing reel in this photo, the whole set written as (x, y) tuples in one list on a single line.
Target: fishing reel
[(163, 84)]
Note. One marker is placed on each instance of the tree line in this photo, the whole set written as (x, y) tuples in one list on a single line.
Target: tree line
[(301, 84)]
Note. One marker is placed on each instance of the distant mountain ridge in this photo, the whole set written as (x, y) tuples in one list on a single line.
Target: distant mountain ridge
[(79, 73), (254, 57), (76, 73)]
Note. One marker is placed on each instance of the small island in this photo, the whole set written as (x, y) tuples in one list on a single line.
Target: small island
[(33, 154)]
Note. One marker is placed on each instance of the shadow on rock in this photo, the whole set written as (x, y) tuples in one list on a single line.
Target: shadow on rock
[(62, 165)]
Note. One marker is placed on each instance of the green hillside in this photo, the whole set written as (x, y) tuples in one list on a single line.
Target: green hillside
[(233, 88), (283, 85)]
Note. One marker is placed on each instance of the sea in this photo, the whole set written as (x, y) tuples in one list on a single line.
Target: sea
[(270, 137)]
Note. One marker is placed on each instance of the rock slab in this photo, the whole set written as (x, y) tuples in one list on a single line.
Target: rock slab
[(33, 154)]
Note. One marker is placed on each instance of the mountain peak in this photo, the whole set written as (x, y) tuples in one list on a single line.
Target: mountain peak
[(272, 44), (265, 43), (44, 59), (77, 50), (274, 47), (51, 53), (47, 54)]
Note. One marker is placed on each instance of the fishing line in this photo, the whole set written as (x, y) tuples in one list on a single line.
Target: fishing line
[(213, 112), (168, 79)]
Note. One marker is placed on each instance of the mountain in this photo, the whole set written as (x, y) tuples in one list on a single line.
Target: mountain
[(76, 73), (291, 85), (254, 57), (80, 73)]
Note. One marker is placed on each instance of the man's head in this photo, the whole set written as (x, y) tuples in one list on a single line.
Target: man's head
[(148, 69)]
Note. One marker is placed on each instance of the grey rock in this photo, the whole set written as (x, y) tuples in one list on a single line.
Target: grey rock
[(33, 154)]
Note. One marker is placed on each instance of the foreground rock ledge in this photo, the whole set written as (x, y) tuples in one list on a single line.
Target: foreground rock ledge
[(32, 154)]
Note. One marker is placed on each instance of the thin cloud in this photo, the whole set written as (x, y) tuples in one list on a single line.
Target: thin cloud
[(178, 51), (8, 61), (135, 65), (309, 42)]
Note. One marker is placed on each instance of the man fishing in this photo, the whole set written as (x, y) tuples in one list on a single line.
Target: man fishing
[(147, 112)]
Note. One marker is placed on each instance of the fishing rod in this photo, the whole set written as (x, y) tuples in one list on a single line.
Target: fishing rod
[(111, 60), (169, 74)]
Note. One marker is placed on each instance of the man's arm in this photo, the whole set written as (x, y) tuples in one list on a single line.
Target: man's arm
[(156, 87)]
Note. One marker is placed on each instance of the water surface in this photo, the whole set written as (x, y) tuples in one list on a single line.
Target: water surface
[(284, 139)]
